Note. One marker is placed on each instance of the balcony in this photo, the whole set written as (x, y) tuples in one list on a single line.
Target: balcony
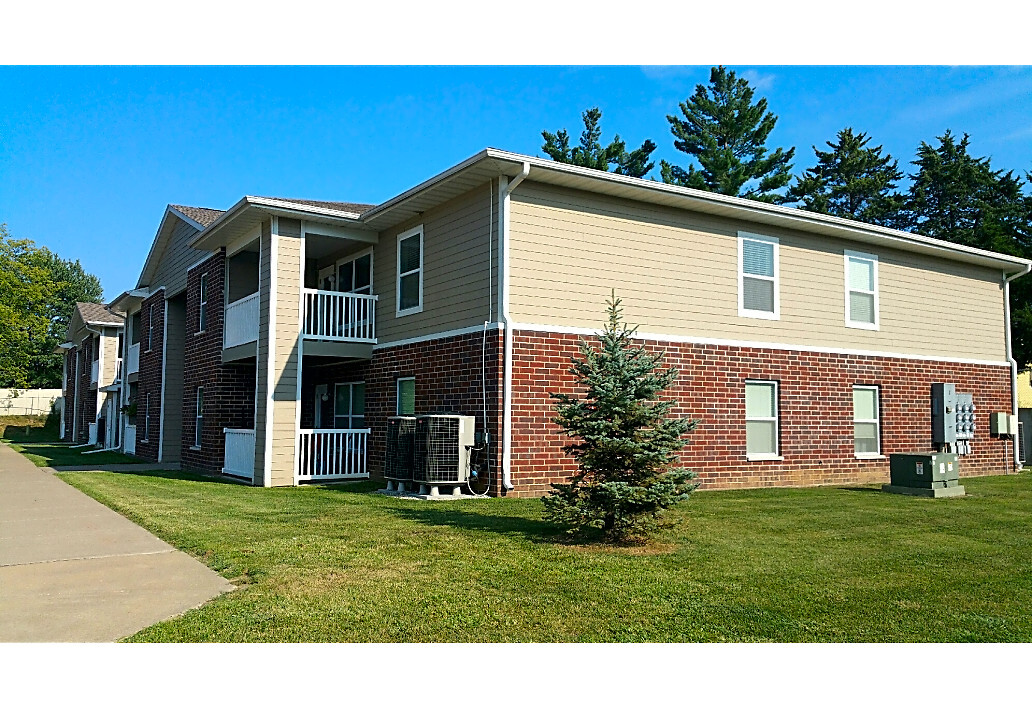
[(239, 459), (339, 317), (333, 454), (134, 359), (241, 322)]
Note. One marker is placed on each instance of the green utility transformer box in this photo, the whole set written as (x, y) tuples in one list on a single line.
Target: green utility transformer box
[(924, 474)]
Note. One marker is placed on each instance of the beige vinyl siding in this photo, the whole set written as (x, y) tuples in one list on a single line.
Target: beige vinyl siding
[(176, 260), (110, 356), (285, 356), (456, 269), (677, 273)]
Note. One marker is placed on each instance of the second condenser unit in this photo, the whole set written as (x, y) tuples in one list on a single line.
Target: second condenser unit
[(442, 445), (398, 460)]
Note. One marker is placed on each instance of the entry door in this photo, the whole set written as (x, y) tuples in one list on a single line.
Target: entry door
[(320, 391)]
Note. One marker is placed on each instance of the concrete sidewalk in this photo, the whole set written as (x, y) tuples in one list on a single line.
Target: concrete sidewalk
[(72, 570)]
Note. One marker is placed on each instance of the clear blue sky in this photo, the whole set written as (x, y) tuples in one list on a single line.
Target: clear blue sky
[(89, 157)]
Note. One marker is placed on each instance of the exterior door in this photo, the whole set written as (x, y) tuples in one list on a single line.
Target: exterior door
[(320, 391)]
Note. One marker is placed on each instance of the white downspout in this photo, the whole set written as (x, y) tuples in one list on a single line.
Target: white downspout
[(505, 189), (1010, 358)]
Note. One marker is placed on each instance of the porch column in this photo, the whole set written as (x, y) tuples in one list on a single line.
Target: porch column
[(277, 407)]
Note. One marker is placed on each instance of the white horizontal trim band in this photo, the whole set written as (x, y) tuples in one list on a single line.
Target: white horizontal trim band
[(440, 335), (690, 339)]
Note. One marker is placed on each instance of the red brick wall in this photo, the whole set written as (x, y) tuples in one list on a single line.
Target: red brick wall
[(69, 395), (87, 412), (815, 402), (228, 388), (150, 377), (448, 380)]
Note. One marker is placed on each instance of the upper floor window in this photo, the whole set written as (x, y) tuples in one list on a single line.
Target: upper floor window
[(150, 328), (202, 308), (861, 290), (410, 272), (758, 276), (355, 275)]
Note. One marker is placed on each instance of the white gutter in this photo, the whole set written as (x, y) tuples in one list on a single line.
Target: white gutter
[(505, 189), (1010, 358)]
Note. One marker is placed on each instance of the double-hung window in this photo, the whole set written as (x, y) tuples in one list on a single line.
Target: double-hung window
[(150, 328), (866, 422), (199, 417), (861, 290), (349, 405), (761, 420), (406, 399), (146, 417), (410, 272), (202, 308), (758, 276)]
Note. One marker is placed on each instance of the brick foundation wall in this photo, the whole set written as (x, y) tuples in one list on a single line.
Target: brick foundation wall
[(448, 380), (151, 362), (228, 388), (815, 403)]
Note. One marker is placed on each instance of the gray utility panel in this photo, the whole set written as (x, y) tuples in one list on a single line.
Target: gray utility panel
[(953, 414)]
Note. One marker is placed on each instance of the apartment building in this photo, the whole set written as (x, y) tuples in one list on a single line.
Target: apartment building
[(92, 375), (272, 341)]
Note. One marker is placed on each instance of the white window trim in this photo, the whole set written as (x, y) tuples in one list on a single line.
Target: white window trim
[(776, 419), (397, 394), (859, 255), (351, 399), (198, 418), (877, 423), (398, 312), (351, 258), (150, 328), (202, 305), (146, 418), (744, 236)]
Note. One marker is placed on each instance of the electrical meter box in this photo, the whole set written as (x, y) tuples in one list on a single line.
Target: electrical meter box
[(944, 413), (924, 474), (965, 423)]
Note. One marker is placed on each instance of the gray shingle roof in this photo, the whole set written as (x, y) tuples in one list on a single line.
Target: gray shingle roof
[(97, 313), (353, 207), (201, 215)]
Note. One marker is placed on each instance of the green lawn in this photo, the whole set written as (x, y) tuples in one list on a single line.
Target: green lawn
[(795, 565), (51, 454)]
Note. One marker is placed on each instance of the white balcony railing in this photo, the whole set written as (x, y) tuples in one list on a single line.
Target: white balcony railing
[(239, 459), (241, 322), (129, 439), (346, 317), (333, 454), (95, 371), (134, 359)]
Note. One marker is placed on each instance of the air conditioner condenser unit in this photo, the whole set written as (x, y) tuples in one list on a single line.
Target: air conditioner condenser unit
[(442, 449)]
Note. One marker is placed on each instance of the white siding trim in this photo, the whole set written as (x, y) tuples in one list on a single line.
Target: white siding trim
[(689, 339), (439, 335), (270, 376), (300, 358)]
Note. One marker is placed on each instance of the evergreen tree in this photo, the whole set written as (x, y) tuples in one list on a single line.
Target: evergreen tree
[(852, 181), (624, 439), (590, 152), (727, 133)]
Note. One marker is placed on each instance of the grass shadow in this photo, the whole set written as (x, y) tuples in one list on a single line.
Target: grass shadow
[(536, 531), (185, 475), (847, 488)]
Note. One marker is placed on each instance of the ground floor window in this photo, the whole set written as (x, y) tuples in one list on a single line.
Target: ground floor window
[(761, 420), (199, 417), (349, 405), (406, 400), (866, 421), (146, 417)]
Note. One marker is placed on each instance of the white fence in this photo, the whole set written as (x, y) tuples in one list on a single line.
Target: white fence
[(27, 402), (129, 439), (333, 454), (241, 321), (239, 459), (348, 317), (134, 359)]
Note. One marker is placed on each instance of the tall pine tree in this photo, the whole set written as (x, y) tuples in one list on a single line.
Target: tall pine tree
[(853, 181), (624, 439), (590, 152), (727, 134)]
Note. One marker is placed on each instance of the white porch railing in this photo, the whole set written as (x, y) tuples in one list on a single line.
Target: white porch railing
[(134, 359), (241, 321), (95, 371), (348, 317), (129, 439), (239, 459), (333, 454)]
